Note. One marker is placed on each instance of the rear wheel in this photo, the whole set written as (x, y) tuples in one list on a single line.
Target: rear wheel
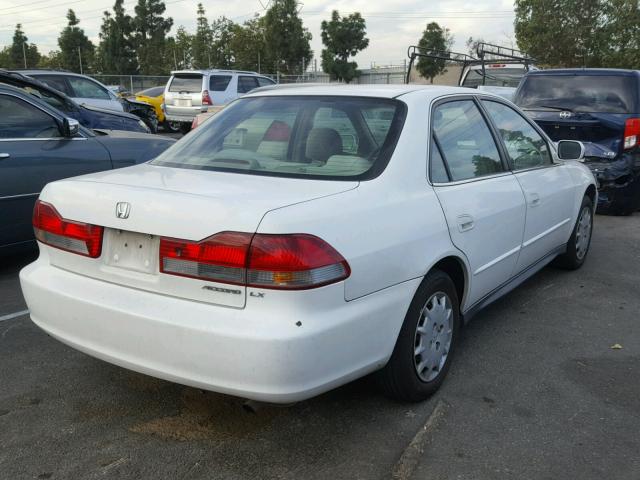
[(171, 127), (580, 241), (426, 342)]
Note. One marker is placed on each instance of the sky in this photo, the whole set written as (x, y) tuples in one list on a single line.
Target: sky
[(392, 25)]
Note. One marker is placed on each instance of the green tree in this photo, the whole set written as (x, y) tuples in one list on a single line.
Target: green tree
[(623, 34), (52, 60), (248, 45), (76, 50), (180, 47), (20, 51), (5, 58), (202, 41), (287, 40), (149, 32), (564, 33), (116, 54), (434, 39), (222, 31), (343, 38)]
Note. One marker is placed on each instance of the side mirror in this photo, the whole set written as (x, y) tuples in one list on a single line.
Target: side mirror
[(70, 127), (570, 150)]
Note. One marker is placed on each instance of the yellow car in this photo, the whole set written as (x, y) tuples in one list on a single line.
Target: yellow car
[(155, 96)]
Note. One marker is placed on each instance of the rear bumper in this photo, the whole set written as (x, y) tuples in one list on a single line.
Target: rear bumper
[(258, 352), (183, 114)]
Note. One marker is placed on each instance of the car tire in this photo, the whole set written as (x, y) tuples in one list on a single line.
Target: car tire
[(411, 375), (580, 240), (171, 127), (185, 128)]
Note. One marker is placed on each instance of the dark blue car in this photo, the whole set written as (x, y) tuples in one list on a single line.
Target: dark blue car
[(88, 116), (600, 107), (40, 144)]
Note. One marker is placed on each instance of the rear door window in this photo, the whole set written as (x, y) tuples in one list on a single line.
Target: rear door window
[(59, 83), (246, 84), (467, 144), (190, 83), (219, 83), (579, 93)]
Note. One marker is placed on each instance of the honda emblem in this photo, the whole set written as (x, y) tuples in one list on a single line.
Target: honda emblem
[(123, 209)]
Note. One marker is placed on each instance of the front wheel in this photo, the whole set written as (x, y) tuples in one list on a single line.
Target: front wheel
[(426, 342), (580, 241)]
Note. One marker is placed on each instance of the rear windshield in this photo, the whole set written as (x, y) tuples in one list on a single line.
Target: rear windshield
[(218, 83), (494, 77), (578, 93), (186, 82), (294, 136)]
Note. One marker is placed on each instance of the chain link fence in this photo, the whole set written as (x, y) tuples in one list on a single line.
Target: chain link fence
[(382, 75), (133, 83)]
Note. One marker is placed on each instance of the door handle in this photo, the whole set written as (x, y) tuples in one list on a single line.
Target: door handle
[(534, 199), (465, 223), (4, 155)]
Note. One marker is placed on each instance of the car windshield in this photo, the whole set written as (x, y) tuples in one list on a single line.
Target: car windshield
[(294, 136), (494, 77), (578, 93)]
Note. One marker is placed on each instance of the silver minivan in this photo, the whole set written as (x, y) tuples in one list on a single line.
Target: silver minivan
[(190, 92)]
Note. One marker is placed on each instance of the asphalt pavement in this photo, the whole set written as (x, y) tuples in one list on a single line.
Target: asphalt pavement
[(536, 392)]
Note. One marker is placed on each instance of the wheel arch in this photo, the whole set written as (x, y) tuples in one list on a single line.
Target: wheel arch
[(456, 268), (592, 193)]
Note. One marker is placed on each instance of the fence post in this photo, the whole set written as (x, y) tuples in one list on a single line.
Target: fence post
[(131, 82)]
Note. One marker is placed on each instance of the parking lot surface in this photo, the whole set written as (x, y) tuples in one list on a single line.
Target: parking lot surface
[(536, 391)]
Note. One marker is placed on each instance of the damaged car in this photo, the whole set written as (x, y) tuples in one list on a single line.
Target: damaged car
[(601, 108)]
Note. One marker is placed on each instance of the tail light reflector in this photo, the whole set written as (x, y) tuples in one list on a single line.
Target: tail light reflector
[(631, 133), (206, 99), (287, 262), (76, 237)]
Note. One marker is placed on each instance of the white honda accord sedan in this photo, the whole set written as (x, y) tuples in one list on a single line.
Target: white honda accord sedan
[(305, 237)]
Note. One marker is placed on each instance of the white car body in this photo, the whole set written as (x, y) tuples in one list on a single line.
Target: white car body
[(285, 346)]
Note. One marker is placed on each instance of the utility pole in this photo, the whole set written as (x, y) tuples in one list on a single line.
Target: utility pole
[(80, 57), (24, 54), (258, 61)]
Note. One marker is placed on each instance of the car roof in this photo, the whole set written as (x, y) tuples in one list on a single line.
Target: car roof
[(373, 90), (586, 71), (215, 70), (38, 71), (21, 77)]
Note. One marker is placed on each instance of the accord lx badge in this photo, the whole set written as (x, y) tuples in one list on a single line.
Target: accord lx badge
[(123, 209), (565, 114)]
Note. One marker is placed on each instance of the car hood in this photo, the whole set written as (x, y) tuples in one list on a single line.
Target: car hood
[(103, 132)]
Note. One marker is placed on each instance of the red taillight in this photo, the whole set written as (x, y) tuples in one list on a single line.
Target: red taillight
[(295, 261), (76, 237), (631, 132), (206, 99), (221, 258)]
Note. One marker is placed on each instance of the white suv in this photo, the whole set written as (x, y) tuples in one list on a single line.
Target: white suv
[(190, 92)]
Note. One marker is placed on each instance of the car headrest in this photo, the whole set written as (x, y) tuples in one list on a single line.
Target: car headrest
[(323, 143)]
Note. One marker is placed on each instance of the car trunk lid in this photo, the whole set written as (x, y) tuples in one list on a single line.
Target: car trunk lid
[(175, 203)]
